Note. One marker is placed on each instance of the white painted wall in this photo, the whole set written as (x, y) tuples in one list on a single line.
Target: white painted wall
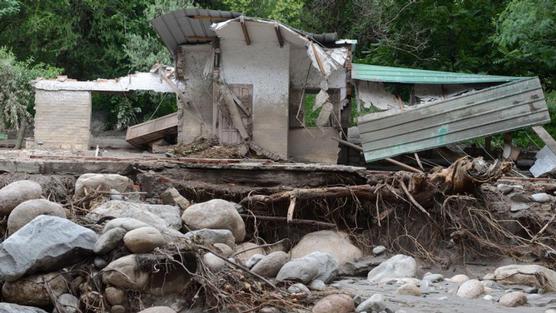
[(198, 92), (266, 66)]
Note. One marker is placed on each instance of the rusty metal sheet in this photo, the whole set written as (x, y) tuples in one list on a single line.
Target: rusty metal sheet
[(480, 113)]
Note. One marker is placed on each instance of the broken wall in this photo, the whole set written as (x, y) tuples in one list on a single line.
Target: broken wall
[(265, 66), (63, 119), (195, 118), (313, 144)]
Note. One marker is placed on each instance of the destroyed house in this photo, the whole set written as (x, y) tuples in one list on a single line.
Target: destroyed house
[(288, 95)]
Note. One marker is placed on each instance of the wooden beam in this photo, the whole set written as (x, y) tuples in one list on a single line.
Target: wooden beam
[(279, 34), (545, 137), (207, 17), (244, 30)]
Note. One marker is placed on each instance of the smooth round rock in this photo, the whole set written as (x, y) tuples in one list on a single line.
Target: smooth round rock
[(17, 192), (378, 250), (460, 278), (470, 289), (271, 264), (118, 309), (224, 249), (409, 290), (336, 303), (158, 309), (143, 240), (213, 262), (26, 211), (215, 214), (317, 284), (374, 304), (33, 290), (250, 250), (513, 299), (114, 296), (299, 288)]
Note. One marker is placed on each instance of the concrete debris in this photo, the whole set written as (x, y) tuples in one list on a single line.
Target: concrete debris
[(545, 163), (172, 197)]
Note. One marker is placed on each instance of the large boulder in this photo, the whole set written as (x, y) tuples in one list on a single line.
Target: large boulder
[(208, 237), (271, 264), (336, 303), (334, 242), (155, 215), (398, 266), (28, 210), (125, 273), (91, 182), (17, 192), (529, 275), (215, 214), (144, 239), (16, 308), (46, 243), (513, 299), (35, 290), (317, 265)]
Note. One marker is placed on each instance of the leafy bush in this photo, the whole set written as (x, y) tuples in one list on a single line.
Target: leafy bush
[(16, 92)]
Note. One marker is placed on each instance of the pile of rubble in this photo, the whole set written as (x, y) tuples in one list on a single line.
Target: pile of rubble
[(108, 250)]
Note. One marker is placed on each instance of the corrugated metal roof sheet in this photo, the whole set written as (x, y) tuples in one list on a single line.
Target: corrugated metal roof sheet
[(480, 113), (188, 26), (389, 74)]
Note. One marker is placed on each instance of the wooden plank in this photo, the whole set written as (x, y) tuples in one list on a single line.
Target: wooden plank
[(545, 137)]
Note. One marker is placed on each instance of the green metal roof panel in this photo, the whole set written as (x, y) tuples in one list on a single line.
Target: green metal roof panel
[(402, 75)]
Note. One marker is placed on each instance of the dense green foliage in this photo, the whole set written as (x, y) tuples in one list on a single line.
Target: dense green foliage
[(16, 94), (107, 38)]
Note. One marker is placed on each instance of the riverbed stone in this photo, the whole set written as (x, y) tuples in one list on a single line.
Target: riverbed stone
[(17, 192), (513, 299), (158, 309), (159, 216), (299, 288), (143, 240), (317, 265), (335, 303), (271, 264), (250, 249), (459, 278), (215, 214), (208, 237), (173, 197), (433, 278), (109, 240), (213, 262), (125, 273), (335, 243), (409, 290), (26, 211), (470, 289), (46, 243), (16, 308), (91, 182), (398, 266), (374, 304), (114, 295), (317, 284), (224, 249), (68, 303), (126, 223), (34, 290), (378, 250), (529, 275)]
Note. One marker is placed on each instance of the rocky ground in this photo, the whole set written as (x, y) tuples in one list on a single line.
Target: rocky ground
[(108, 249)]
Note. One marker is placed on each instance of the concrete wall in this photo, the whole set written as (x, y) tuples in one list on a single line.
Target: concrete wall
[(264, 65), (313, 145), (198, 92), (63, 119)]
